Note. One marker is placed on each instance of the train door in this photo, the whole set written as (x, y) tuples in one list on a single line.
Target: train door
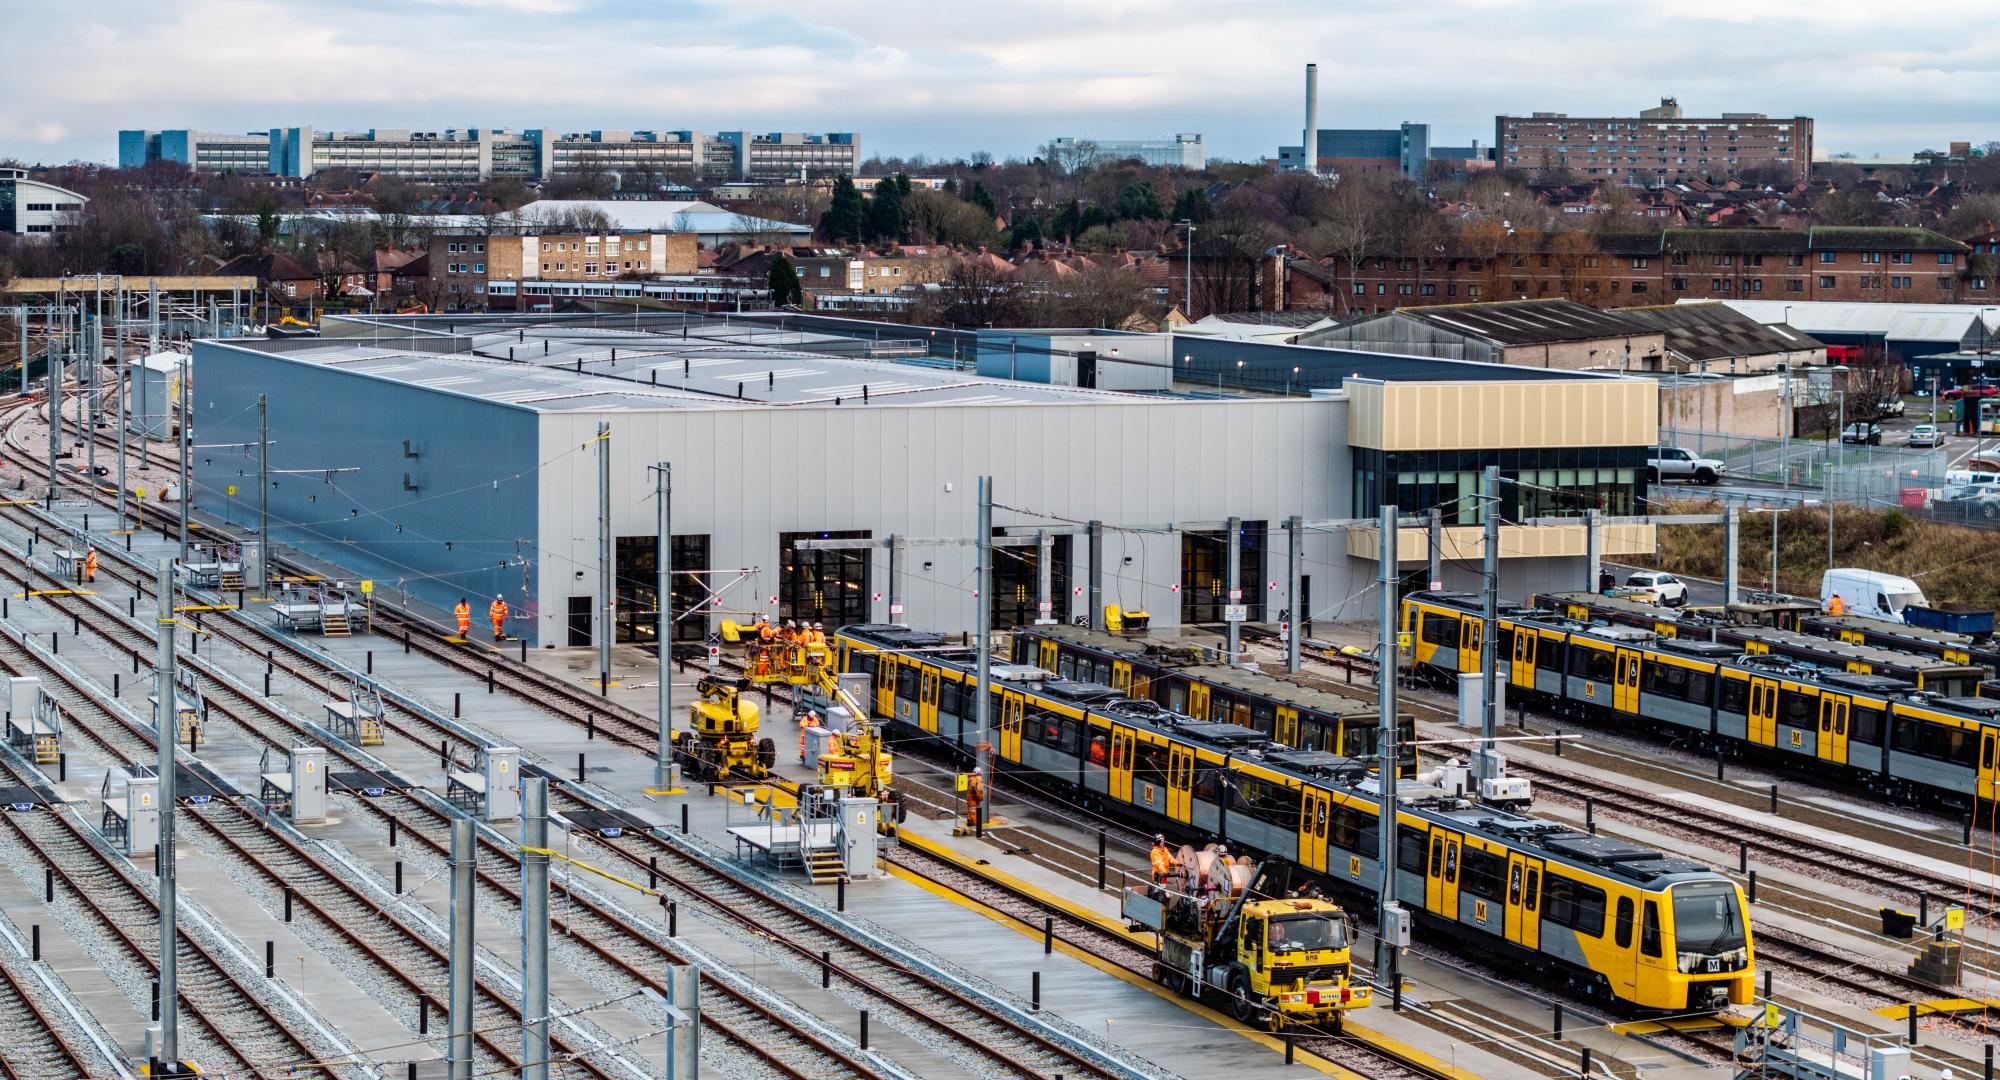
[(1180, 782), (1121, 763), (1141, 688), (1469, 632), (1315, 807), (1198, 700), (1524, 883), (1833, 728), (1288, 726), (1441, 875), (1989, 770), (1121, 675), (1011, 704), (1625, 692), (1047, 658), (1763, 727), (927, 699), (885, 684), (1523, 674)]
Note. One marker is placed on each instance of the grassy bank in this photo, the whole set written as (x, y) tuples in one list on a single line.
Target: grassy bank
[(1954, 564)]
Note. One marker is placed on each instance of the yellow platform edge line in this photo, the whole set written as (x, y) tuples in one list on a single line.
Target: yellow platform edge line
[(1939, 1006), (1350, 1025)]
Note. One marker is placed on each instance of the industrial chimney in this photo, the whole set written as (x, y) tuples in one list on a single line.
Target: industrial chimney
[(1309, 147)]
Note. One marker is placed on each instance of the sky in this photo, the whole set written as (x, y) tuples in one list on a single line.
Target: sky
[(949, 77)]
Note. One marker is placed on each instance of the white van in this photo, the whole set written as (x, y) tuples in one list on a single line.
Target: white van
[(1871, 593)]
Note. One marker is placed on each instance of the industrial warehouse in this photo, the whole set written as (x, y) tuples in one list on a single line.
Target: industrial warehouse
[(451, 457)]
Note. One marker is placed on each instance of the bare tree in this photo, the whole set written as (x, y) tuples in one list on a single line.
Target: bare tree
[(1072, 157), (973, 294)]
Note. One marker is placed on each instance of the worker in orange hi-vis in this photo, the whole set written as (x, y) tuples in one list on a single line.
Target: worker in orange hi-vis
[(463, 613), (90, 565), (975, 793), (497, 611), (810, 720)]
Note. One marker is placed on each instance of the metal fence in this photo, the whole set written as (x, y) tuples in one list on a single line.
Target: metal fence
[(1806, 463)]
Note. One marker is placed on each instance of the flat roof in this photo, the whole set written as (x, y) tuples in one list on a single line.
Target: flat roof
[(562, 368)]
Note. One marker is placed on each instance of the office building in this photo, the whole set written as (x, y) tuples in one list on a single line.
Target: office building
[(464, 262), (1657, 147), (1184, 151), (1404, 150), (33, 208), (643, 160)]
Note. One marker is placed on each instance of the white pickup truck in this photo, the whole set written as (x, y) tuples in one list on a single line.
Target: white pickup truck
[(1674, 463)]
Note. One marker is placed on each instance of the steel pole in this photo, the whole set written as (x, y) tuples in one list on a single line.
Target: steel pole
[(1233, 630), (1489, 677), (1593, 548), (983, 709), (124, 384), (1385, 737), (607, 599), (1294, 533), (1095, 616), (1732, 525), (683, 1059), (86, 410), (665, 776), (186, 415), (1826, 479), (263, 487), (165, 721), (534, 928), (1436, 523), (464, 862), (55, 367)]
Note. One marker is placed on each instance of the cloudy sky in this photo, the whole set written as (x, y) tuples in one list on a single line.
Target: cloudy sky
[(947, 77)]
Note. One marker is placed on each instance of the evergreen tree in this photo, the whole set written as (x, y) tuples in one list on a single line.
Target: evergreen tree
[(983, 199), (785, 288), (846, 218), (1193, 205), (902, 183), (1141, 202), (1068, 224), (885, 216)]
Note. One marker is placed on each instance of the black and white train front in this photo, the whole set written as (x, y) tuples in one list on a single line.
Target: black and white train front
[(1619, 920)]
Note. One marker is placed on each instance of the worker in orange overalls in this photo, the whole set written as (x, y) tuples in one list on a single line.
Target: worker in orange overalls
[(810, 720), (1162, 859), (1836, 606), (90, 565), (815, 639), (497, 611), (463, 612), (975, 793)]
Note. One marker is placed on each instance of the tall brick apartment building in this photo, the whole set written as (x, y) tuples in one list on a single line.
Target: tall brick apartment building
[(1827, 263), (1657, 147)]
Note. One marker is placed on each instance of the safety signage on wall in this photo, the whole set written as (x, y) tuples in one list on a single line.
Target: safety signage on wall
[(1235, 613)]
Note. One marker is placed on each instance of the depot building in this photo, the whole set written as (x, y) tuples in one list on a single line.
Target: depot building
[(824, 474)]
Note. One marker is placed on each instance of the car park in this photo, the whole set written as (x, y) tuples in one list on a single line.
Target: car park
[(1926, 435)]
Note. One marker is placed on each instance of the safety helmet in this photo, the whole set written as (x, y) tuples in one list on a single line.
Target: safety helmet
[(819, 626), (1159, 838)]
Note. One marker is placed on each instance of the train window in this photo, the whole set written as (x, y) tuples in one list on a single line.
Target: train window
[(1700, 686), (1624, 922), (1986, 755), (1798, 708), (1482, 874), (1549, 654), (1558, 900), (863, 663), (1437, 854), (1574, 904), (1649, 931), (1150, 764), (1514, 885), (1534, 890), (1066, 666), (1961, 746), (1589, 910), (951, 698), (906, 683), (1505, 645), (1906, 734), (1601, 665), (1410, 850), (1177, 698), (1440, 629), (1451, 863), (1263, 717), (1865, 725), (1208, 784), (1097, 753), (1067, 740), (1268, 802), (1355, 830), (1735, 697)]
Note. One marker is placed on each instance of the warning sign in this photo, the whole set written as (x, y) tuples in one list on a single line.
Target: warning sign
[(367, 586)]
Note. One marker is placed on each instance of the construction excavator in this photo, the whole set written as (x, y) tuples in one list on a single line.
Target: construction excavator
[(722, 733), (856, 758)]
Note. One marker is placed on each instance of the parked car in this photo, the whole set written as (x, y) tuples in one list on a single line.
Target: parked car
[(1674, 463), (1862, 434), (1663, 589), (1891, 407), (1926, 435), (1972, 390)]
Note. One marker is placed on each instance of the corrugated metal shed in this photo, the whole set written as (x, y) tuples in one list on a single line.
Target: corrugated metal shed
[(1905, 322)]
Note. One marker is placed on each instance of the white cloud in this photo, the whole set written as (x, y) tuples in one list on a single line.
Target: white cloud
[(947, 78)]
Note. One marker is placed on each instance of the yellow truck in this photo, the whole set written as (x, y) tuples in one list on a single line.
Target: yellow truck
[(1283, 961)]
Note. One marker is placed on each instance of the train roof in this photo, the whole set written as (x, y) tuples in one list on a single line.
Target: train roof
[(1904, 631), (1200, 660)]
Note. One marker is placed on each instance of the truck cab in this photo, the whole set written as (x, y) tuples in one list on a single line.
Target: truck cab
[(1293, 955)]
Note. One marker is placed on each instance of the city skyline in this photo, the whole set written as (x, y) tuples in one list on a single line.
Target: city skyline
[(924, 82)]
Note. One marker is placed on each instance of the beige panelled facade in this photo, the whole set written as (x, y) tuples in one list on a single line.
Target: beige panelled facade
[(1500, 415), (1516, 542)]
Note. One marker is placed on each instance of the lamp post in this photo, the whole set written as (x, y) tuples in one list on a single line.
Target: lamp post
[(1187, 292)]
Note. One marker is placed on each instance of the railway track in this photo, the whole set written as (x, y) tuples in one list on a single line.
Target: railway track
[(33, 1044)]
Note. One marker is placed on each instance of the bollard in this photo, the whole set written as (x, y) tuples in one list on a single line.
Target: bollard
[(840, 893), (1583, 1067), (684, 819), (589, 726), (35, 936), (267, 682), (524, 650), (1291, 1047), (288, 903), (1396, 995), (864, 1028), (1923, 909), (116, 676), (1742, 856), (370, 660), (1559, 742), (194, 740), (49, 886), (652, 871), (1558, 1028), (1774, 798), (423, 1015), (270, 959), (1100, 859), (399, 877), (454, 705), (673, 918), (489, 680), (406, 639), (156, 1000), (75, 625), (825, 969), (392, 832), (55, 643), (444, 755), (1989, 1061), (1753, 886), (411, 1074), (135, 663), (1913, 1025), (579, 768), (1048, 934), (1035, 992), (62, 766), (1767, 984), (1590, 814)]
